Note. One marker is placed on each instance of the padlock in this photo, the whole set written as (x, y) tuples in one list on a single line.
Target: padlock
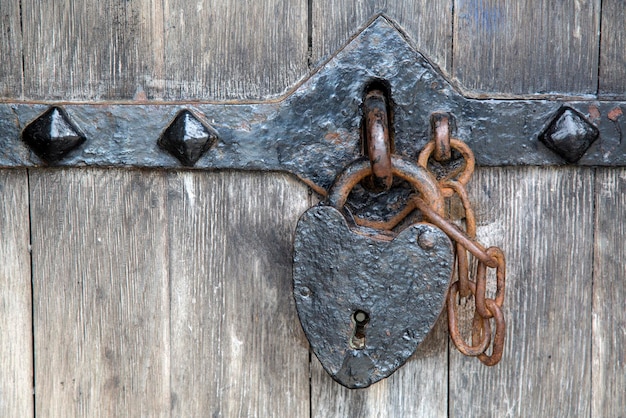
[(365, 297)]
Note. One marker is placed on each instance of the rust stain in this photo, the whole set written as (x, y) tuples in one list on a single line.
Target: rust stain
[(615, 114), (140, 96), (333, 137), (244, 126), (377, 138), (441, 129), (594, 113)]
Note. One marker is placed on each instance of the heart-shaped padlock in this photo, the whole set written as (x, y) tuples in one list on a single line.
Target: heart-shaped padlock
[(367, 298)]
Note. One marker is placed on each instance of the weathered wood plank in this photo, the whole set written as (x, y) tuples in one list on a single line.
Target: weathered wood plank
[(417, 389), (11, 47), (237, 346), (174, 49), (613, 49), (93, 50), (101, 293), (230, 49), (526, 47), (543, 220), (426, 22), (16, 354), (609, 293)]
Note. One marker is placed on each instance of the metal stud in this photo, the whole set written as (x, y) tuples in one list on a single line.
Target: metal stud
[(569, 134), (52, 135), (187, 138)]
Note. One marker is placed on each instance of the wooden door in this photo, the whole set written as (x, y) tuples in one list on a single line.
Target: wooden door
[(168, 293)]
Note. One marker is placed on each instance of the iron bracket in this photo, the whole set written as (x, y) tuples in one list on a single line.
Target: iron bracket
[(314, 131)]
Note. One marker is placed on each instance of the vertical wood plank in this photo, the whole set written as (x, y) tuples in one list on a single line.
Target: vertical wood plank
[(172, 49), (427, 23), (230, 49), (609, 293), (101, 293), (543, 220), (527, 47), (16, 355), (237, 346), (11, 47), (612, 49), (93, 50), (417, 389)]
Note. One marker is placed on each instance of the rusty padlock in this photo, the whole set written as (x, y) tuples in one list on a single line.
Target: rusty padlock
[(366, 298)]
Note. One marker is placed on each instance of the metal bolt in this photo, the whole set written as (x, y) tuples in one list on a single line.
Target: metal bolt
[(305, 292), (52, 135), (569, 134), (187, 138), (426, 240)]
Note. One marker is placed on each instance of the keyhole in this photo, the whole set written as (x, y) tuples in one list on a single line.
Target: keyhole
[(360, 319)]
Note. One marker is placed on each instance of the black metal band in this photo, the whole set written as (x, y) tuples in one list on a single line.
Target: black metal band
[(315, 131)]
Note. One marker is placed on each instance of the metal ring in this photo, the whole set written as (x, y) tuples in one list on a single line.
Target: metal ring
[(481, 282), (455, 334), (481, 290), (470, 218), (441, 136), (455, 233), (498, 339), (377, 138), (462, 270), (497, 254), (465, 151), (416, 175)]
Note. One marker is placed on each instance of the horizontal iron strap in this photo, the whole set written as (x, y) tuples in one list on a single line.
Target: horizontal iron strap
[(315, 130), (275, 136)]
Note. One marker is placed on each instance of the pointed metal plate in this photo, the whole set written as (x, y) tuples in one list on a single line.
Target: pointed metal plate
[(187, 138), (51, 136)]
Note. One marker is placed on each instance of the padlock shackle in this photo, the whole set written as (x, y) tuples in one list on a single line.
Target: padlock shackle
[(420, 178)]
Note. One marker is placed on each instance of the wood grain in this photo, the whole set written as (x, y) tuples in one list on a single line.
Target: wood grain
[(16, 358), (237, 346), (543, 220), (172, 49), (526, 47), (609, 293), (93, 50), (110, 49), (428, 23), (231, 49), (101, 293), (612, 50), (417, 389), (11, 48), (160, 294)]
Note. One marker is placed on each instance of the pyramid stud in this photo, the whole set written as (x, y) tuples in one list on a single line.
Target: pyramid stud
[(52, 135), (569, 134), (186, 138)]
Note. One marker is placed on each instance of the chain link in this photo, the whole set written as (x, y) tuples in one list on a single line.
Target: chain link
[(430, 202), (486, 310)]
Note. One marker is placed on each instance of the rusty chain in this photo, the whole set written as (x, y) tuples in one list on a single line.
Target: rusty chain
[(486, 309), (451, 183)]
